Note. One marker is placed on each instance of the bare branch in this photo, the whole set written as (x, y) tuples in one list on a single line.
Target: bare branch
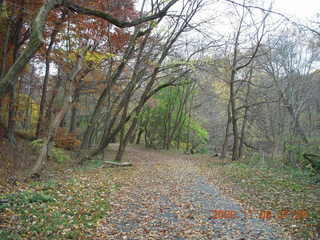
[(277, 13), (121, 24)]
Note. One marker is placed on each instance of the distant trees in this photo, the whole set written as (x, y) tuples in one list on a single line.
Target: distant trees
[(290, 64), (242, 50), (276, 99), (263, 89), (167, 120)]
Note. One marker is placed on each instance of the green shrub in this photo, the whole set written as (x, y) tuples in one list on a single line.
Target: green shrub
[(59, 155), (19, 201), (56, 153)]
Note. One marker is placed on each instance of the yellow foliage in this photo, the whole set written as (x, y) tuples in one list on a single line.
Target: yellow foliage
[(91, 57), (98, 58), (222, 89), (23, 103), (3, 11)]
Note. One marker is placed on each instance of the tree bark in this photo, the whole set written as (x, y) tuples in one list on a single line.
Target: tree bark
[(12, 116), (245, 117), (74, 110), (139, 136), (226, 137)]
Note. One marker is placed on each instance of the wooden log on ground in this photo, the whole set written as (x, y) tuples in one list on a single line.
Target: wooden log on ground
[(117, 164)]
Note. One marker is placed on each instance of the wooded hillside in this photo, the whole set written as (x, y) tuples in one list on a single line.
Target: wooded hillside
[(79, 75)]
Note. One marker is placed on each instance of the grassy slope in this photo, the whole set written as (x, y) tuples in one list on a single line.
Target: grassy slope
[(66, 204), (288, 194)]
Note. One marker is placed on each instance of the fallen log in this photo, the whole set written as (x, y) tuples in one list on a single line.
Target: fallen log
[(116, 164)]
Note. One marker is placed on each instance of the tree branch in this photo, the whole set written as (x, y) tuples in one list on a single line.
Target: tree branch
[(36, 40), (121, 24), (276, 13), (256, 104)]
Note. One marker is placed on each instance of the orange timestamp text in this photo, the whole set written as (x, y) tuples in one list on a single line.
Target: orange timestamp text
[(261, 214)]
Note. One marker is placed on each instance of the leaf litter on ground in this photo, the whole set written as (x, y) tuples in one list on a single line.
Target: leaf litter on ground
[(163, 196)]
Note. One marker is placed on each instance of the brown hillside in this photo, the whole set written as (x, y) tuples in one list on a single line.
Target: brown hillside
[(14, 159)]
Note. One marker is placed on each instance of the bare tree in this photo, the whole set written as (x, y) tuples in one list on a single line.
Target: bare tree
[(238, 66)]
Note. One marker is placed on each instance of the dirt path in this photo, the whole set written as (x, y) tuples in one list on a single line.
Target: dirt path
[(166, 197)]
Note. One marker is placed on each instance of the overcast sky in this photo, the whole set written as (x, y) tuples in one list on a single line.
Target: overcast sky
[(298, 8), (293, 8)]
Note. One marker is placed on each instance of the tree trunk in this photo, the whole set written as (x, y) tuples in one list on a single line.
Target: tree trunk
[(139, 136), (242, 136), (226, 137), (73, 120), (124, 140), (245, 117), (11, 116), (45, 82), (54, 94), (13, 104), (47, 144)]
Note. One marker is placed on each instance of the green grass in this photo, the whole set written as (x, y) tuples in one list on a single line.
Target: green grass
[(92, 164)]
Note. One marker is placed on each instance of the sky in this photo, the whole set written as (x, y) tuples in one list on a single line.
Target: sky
[(298, 8)]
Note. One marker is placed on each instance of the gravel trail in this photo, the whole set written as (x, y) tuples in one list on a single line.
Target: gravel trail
[(167, 198)]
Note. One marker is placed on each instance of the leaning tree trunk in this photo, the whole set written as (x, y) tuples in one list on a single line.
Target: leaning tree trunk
[(139, 136), (52, 131), (36, 40), (104, 94)]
